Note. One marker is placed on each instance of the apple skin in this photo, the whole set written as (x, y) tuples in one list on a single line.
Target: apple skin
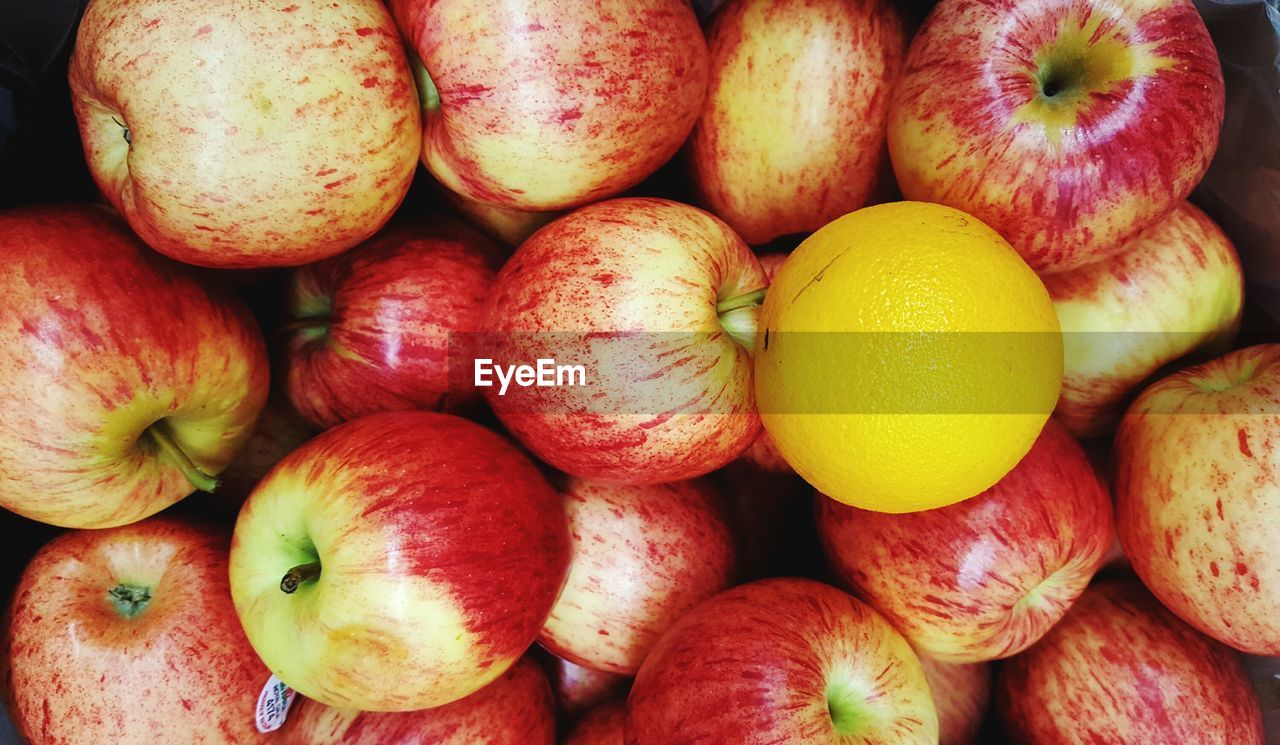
[(668, 393), (515, 709), (603, 725), (509, 227), (180, 670), (101, 340), (298, 143), (280, 431), (642, 557), (770, 662), (961, 694), (579, 689), (987, 577), (548, 104), (1175, 289), (441, 550), (793, 132), (1069, 178), (1120, 668), (1196, 459), (377, 323)]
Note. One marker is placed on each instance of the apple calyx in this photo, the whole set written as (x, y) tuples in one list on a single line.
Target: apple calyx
[(294, 578), (428, 94), (160, 435), (740, 315), (129, 600)]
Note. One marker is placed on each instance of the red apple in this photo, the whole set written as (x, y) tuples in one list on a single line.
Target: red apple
[(1122, 669), (793, 132), (578, 689), (544, 105), (961, 694), (781, 660), (515, 709), (124, 384), (1197, 496), (1069, 127), (398, 561), (987, 577), (127, 635), (603, 725), (642, 557), (656, 303), (373, 328)]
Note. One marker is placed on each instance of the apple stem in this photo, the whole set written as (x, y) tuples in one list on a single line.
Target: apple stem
[(129, 600), (428, 94), (198, 478), (306, 322), (291, 580), (755, 297)]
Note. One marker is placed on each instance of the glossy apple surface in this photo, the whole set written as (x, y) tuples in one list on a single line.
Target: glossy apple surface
[(1196, 459), (128, 636), (781, 660), (398, 561), (298, 141), (124, 384), (546, 104), (579, 689), (962, 695), (1069, 127), (987, 577), (603, 725), (642, 557), (1121, 668), (793, 132)]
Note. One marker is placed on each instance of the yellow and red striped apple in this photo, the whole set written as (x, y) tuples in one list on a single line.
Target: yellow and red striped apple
[(399, 561), (642, 557), (546, 104), (266, 134), (793, 132), (124, 384), (781, 660), (1122, 669), (1176, 288), (128, 636), (1196, 459), (962, 695), (1069, 126), (579, 689), (508, 226), (987, 577)]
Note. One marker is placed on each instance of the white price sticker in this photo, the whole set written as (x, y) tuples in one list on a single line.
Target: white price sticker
[(273, 705)]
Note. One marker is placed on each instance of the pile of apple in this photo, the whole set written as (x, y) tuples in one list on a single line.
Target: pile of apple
[(420, 558)]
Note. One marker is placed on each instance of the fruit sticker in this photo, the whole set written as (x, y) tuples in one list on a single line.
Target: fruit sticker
[(273, 705)]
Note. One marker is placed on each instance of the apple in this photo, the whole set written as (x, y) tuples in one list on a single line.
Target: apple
[(509, 227), (793, 132), (1121, 668), (1068, 127), (235, 136), (655, 303), (579, 689), (399, 561), (762, 452), (374, 328), (987, 577), (961, 694), (1176, 288), (603, 725), (126, 384), (781, 660), (1197, 498), (515, 709), (545, 105), (280, 431), (642, 557), (127, 635)]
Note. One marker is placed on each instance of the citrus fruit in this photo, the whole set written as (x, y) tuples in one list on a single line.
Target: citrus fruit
[(907, 358)]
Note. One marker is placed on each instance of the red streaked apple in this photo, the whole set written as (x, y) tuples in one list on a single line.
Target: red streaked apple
[(1069, 127), (509, 227), (1176, 288), (642, 557), (399, 561), (515, 709), (781, 660), (1122, 669), (578, 689), (793, 132), (372, 328), (987, 577), (657, 301), (298, 142), (1197, 498), (550, 105), (124, 384), (128, 636), (603, 725), (961, 694)]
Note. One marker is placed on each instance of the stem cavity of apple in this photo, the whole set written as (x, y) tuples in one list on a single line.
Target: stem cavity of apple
[(160, 435), (294, 578), (847, 707), (129, 600), (128, 136), (739, 316), (428, 94)]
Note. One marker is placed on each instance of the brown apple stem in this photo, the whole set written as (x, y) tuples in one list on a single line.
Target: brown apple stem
[(293, 578), (755, 297), (198, 478)]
